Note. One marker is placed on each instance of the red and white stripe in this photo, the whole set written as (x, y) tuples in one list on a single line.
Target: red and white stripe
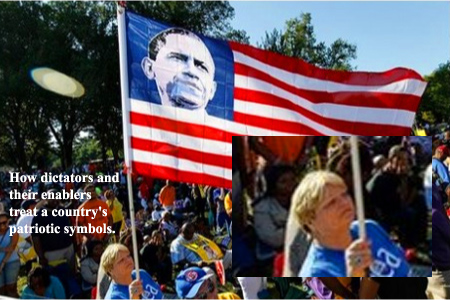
[(274, 95), (276, 92)]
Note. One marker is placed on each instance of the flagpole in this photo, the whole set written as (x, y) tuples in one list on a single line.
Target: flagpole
[(121, 28), (357, 186)]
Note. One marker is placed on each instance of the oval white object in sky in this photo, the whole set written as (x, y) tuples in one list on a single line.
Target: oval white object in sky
[(57, 82)]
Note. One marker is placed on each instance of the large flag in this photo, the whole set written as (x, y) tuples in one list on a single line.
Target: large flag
[(188, 94)]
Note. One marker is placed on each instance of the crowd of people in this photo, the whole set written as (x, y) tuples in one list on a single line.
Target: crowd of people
[(183, 234), (295, 213)]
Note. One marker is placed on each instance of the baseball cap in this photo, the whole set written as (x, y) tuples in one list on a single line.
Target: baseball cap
[(444, 150), (189, 281)]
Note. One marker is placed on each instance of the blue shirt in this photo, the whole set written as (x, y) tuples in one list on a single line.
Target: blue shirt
[(151, 289), (389, 260), (440, 169), (179, 252), (54, 291)]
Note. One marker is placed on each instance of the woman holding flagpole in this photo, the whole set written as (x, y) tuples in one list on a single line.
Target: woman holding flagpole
[(326, 213)]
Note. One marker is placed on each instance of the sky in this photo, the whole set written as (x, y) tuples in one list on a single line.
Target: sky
[(414, 35)]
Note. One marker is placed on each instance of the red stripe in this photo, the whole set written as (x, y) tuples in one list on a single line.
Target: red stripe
[(222, 161), (353, 128), (179, 175), (272, 124), (363, 99), (301, 67), (181, 127)]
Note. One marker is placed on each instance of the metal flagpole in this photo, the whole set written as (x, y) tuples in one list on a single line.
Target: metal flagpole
[(357, 186), (121, 27)]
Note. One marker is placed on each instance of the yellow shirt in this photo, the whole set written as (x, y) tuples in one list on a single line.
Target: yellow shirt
[(116, 212), (228, 203), (228, 296)]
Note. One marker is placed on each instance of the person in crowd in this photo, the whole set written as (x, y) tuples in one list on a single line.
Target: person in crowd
[(40, 284), (193, 249), (440, 171), (100, 219), (326, 212), (271, 213), (9, 259), (169, 228), (167, 196), (90, 264), (196, 283), (157, 213), (439, 283), (118, 264), (116, 211), (53, 247), (155, 259)]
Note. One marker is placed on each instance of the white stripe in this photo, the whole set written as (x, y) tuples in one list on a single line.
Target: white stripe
[(333, 111), (181, 140), (406, 86), (276, 113), (180, 164), (183, 115)]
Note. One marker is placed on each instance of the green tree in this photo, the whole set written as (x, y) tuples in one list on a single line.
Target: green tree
[(298, 40), (24, 134), (436, 98)]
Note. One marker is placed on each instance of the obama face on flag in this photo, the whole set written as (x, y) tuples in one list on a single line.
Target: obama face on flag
[(182, 67)]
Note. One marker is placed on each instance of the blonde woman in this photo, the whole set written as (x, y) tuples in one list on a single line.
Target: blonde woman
[(325, 211), (118, 264)]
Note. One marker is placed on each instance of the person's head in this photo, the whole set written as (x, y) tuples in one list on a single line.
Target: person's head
[(182, 67), (195, 283), (188, 231), (156, 238), (4, 221), (109, 194), (90, 189), (322, 205), (126, 239), (116, 260), (398, 160), (94, 249), (447, 135), (281, 182), (442, 152), (166, 216), (38, 280), (52, 202)]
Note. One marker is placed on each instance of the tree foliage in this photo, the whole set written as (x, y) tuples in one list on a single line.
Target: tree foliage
[(435, 105), (78, 38), (298, 40)]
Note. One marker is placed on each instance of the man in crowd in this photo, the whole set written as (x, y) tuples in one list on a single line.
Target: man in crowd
[(167, 196), (193, 249), (53, 247)]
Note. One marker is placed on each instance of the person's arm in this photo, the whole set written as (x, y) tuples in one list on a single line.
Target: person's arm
[(336, 287), (368, 289), (58, 289), (39, 251), (86, 272), (262, 149), (9, 250), (266, 229)]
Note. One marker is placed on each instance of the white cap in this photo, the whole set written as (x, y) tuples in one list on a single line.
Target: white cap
[(427, 182)]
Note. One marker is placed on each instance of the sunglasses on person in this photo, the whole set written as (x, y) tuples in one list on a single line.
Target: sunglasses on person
[(4, 223), (204, 295)]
